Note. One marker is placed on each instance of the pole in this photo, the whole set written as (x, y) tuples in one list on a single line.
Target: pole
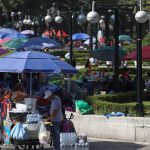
[(30, 83), (12, 22), (71, 42), (139, 104), (107, 27), (91, 38), (35, 28), (116, 35), (49, 29)]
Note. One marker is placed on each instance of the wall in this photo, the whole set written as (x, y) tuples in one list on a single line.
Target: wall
[(118, 128)]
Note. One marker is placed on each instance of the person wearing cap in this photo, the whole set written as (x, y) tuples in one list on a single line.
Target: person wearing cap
[(55, 116)]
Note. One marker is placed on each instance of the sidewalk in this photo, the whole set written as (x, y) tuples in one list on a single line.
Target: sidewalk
[(102, 144)]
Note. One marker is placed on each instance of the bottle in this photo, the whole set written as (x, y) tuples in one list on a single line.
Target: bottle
[(87, 146), (61, 146), (76, 146), (61, 140)]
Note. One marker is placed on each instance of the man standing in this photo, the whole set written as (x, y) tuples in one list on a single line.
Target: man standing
[(55, 116)]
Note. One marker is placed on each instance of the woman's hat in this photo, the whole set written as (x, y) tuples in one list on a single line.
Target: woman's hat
[(47, 94)]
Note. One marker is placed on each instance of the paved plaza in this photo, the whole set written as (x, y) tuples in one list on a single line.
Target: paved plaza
[(102, 144)]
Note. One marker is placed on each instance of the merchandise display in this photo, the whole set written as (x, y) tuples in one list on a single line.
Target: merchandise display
[(71, 141)]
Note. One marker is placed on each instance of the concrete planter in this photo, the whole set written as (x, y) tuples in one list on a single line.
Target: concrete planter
[(117, 128)]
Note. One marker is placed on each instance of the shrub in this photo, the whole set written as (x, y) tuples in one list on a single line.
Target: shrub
[(119, 102)]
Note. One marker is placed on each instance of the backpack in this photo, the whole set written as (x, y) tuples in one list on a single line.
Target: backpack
[(67, 126)]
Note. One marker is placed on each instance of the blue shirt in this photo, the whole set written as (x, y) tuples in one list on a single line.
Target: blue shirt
[(56, 104)]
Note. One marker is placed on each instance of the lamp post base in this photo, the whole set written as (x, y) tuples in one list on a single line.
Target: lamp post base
[(139, 109)]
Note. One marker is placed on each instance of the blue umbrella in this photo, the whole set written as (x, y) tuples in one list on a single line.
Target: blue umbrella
[(32, 61), (13, 35), (10, 33), (8, 30), (80, 36), (39, 42)]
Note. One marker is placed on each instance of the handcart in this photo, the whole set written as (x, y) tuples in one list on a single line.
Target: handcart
[(33, 141)]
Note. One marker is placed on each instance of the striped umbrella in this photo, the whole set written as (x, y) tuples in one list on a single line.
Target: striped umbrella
[(14, 43), (4, 52), (4, 40)]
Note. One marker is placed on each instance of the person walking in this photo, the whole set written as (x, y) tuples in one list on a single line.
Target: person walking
[(56, 116)]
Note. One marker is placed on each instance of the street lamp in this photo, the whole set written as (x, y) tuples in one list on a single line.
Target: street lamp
[(92, 18), (140, 17), (81, 18), (25, 20), (48, 19), (20, 23), (12, 17), (35, 24)]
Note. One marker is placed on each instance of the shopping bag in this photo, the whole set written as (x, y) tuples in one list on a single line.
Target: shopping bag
[(43, 134), (83, 107)]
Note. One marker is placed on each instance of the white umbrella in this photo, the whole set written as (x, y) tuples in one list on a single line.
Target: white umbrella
[(28, 32), (87, 42)]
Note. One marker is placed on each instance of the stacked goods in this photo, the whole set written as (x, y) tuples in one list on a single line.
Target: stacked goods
[(67, 141), (71, 141), (82, 143)]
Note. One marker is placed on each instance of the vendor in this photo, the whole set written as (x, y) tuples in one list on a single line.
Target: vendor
[(55, 116)]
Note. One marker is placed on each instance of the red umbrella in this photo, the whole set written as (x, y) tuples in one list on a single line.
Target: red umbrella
[(145, 54), (61, 33), (51, 33)]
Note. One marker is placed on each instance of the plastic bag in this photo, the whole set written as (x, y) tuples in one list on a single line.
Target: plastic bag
[(83, 107), (15, 131), (43, 134), (23, 134), (19, 132)]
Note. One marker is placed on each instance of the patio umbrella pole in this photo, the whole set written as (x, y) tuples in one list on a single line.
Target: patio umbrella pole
[(30, 83), (68, 83)]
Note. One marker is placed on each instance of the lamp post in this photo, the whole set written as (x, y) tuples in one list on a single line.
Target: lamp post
[(81, 19), (58, 19), (48, 19), (12, 19), (140, 17), (27, 21), (92, 17), (35, 24), (19, 24)]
